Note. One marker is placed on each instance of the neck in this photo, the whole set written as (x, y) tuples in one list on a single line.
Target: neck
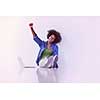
[(48, 45)]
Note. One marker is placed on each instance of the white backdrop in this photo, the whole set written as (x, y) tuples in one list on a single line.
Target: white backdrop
[(79, 51)]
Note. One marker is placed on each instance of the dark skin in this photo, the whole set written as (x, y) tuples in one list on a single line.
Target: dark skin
[(32, 30), (50, 39)]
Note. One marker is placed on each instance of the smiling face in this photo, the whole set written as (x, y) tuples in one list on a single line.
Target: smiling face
[(54, 36), (51, 38)]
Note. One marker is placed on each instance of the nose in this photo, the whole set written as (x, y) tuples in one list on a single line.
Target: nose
[(52, 38)]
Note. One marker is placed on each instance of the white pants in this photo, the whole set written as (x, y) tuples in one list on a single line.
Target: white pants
[(45, 74)]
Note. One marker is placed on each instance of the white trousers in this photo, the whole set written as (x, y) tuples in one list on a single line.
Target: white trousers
[(45, 74)]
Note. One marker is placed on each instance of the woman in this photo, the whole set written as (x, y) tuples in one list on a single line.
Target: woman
[(48, 49)]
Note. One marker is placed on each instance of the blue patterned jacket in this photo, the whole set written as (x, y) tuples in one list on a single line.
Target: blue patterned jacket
[(43, 44)]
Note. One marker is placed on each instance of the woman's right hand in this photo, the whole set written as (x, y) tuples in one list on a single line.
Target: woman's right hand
[(32, 30), (31, 24)]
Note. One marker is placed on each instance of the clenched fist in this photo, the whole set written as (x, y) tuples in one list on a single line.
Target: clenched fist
[(31, 24)]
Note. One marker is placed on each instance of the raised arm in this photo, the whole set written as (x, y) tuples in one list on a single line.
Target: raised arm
[(35, 37), (32, 30)]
